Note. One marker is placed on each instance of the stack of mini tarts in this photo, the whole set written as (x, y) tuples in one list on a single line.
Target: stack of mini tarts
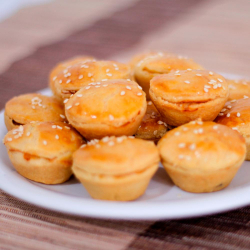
[(116, 168)]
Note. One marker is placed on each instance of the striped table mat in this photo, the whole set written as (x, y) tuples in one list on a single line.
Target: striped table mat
[(215, 33)]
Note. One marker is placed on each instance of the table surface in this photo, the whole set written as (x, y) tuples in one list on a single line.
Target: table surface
[(214, 33)]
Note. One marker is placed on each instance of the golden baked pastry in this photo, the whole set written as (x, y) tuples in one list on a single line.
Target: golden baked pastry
[(157, 64), (70, 80), (152, 127), (114, 107), (238, 89), (116, 168), (236, 115), (66, 65), (202, 157), (42, 151), (32, 107), (186, 95)]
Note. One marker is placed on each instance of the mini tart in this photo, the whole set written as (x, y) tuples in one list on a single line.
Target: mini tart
[(202, 157), (115, 107), (70, 80), (188, 95), (236, 115), (116, 168), (157, 64), (42, 152), (65, 65), (32, 107), (152, 127), (238, 89)]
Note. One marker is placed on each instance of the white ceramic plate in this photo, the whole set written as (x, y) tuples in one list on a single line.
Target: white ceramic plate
[(162, 199)]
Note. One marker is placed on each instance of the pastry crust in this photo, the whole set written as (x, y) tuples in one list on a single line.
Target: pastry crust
[(152, 127), (42, 151), (236, 115), (116, 168), (202, 157), (114, 107), (155, 64), (70, 80), (23, 109), (238, 89), (188, 95)]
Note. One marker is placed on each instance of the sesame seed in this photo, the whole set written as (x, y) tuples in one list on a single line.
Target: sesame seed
[(235, 128), (127, 87), (128, 80), (189, 69), (199, 74), (215, 86), (149, 103), (181, 156), (139, 94), (223, 110), (185, 129), (65, 101), (62, 116), (177, 74), (33, 107), (68, 81), (84, 66), (155, 132), (80, 77), (28, 134), (206, 90), (139, 87), (45, 143), (9, 139), (88, 87), (228, 115), (111, 117), (104, 80), (160, 122), (92, 79), (238, 114), (90, 74), (188, 157), (105, 85), (181, 145), (120, 139), (177, 133), (109, 74), (123, 93), (67, 127), (107, 70), (93, 116), (210, 73), (77, 104), (60, 81), (215, 127), (192, 146), (220, 80), (187, 82), (233, 101), (79, 95), (229, 106), (69, 107), (245, 97), (97, 86), (57, 137), (111, 143), (105, 139), (83, 146), (59, 127), (53, 126)]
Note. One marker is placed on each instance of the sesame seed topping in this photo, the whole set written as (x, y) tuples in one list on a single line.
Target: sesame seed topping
[(160, 122), (93, 116), (62, 116), (45, 142), (228, 115), (90, 74), (220, 80), (67, 127), (210, 73), (97, 86), (127, 87), (109, 74), (80, 77), (120, 139), (77, 104), (181, 145), (199, 74), (28, 134), (139, 87), (149, 103), (57, 137), (79, 95), (105, 85), (68, 81), (223, 110), (111, 143), (111, 117), (83, 146), (9, 139), (245, 97), (187, 82), (229, 106), (189, 69), (235, 128), (107, 70), (155, 132), (123, 93), (192, 146), (233, 101), (139, 94), (53, 126), (185, 129), (220, 114), (215, 127), (65, 101), (177, 133), (69, 107), (54, 78), (60, 81), (105, 139), (128, 80), (181, 156), (59, 127), (206, 90), (104, 80), (238, 114), (88, 87)]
